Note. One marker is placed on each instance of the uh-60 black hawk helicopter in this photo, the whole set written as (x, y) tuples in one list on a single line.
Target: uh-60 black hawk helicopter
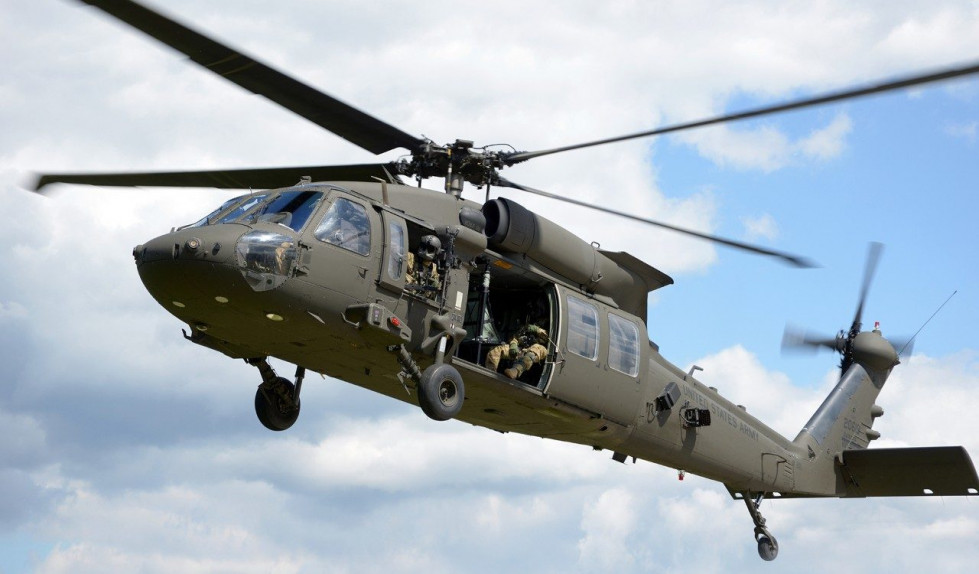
[(417, 294)]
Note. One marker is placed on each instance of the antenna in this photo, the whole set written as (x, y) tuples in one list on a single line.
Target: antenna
[(911, 340)]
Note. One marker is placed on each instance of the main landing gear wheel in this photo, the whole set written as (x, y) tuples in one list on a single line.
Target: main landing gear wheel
[(275, 406), (277, 398), (441, 392)]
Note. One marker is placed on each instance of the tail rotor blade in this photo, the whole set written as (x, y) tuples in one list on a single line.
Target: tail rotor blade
[(903, 345), (796, 339), (873, 257)]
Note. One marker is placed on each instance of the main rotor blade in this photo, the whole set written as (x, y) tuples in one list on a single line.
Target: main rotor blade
[(785, 257), (873, 257), (344, 120), (258, 178), (876, 88)]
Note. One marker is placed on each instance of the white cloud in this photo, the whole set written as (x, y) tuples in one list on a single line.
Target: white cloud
[(608, 523), (764, 148), (763, 226), (767, 148), (828, 142), (942, 31), (167, 530), (940, 386)]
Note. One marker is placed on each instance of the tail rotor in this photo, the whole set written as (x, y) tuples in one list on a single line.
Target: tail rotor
[(796, 338)]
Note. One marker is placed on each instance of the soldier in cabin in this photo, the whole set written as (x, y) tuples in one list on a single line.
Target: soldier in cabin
[(527, 347), (422, 272)]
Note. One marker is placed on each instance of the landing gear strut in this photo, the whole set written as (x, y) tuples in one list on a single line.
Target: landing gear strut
[(767, 545), (277, 398)]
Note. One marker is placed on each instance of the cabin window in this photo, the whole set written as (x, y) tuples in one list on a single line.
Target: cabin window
[(582, 328), (346, 225), (396, 250), (623, 345)]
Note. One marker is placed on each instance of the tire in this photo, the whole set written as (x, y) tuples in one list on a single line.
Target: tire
[(441, 392), (275, 412), (767, 548)]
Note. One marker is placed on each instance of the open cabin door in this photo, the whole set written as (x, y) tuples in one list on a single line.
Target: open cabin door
[(503, 301)]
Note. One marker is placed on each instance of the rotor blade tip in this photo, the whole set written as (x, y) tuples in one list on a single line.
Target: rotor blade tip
[(36, 183), (802, 262)]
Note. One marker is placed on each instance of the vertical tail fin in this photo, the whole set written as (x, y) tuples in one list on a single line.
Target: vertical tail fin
[(845, 419)]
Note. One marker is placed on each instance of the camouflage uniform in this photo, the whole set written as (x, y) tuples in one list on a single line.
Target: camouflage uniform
[(527, 347), (425, 274)]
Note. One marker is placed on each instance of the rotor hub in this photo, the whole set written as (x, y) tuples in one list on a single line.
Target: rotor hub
[(458, 162)]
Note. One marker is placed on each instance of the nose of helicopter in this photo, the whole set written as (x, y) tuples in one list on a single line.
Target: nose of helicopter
[(191, 272), (228, 280)]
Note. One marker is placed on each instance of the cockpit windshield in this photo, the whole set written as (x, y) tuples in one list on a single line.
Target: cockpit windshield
[(247, 204), (210, 217), (289, 208)]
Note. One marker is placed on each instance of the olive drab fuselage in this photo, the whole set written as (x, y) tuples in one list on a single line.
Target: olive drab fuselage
[(321, 276), (316, 275)]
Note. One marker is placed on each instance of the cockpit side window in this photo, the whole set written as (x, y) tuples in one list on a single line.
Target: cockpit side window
[(346, 225), (396, 250)]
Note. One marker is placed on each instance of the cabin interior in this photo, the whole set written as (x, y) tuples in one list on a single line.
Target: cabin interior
[(514, 298)]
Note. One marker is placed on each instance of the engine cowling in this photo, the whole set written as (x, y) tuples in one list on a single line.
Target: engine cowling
[(512, 228)]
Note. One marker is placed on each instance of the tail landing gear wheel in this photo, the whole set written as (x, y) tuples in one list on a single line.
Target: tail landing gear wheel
[(441, 392), (275, 406), (767, 547)]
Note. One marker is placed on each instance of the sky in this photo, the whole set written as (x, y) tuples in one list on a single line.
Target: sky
[(125, 448)]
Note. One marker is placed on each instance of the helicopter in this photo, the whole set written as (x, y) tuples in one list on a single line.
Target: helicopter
[(317, 274)]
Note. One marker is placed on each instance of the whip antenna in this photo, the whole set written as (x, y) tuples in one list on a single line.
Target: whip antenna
[(911, 340)]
